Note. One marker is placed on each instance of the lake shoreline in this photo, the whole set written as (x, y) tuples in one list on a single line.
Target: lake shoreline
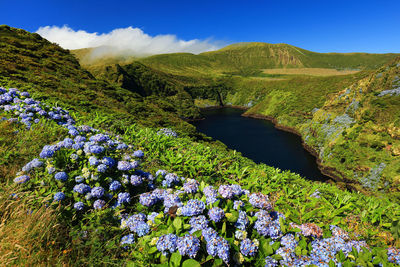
[(330, 172)]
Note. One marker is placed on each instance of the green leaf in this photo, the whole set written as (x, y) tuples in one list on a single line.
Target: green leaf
[(267, 248), (276, 245), (223, 230), (332, 264), (175, 259), (297, 250), (233, 216), (217, 262), (191, 263), (152, 250), (177, 223)]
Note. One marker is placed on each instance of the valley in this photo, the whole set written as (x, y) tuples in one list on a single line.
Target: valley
[(101, 165)]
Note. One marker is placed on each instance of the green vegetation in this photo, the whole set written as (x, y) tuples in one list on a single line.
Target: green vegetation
[(289, 93), (134, 100), (49, 72)]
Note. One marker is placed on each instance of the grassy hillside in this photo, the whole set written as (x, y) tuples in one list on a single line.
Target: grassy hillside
[(47, 216), (56, 231), (29, 62), (247, 58)]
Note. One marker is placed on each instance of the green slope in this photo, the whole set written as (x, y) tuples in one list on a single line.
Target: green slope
[(29, 62)]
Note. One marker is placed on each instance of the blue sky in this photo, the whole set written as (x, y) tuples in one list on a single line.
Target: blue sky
[(322, 26)]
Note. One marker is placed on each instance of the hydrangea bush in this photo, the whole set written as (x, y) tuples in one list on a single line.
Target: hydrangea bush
[(93, 174)]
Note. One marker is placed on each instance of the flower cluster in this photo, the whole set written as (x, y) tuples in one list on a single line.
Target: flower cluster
[(167, 132), (96, 171)]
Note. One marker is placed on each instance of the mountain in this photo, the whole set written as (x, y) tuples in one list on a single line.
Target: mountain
[(245, 57)]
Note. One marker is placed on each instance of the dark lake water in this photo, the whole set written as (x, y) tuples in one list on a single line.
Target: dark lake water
[(260, 141)]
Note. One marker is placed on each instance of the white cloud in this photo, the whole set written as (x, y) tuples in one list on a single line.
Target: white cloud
[(124, 41)]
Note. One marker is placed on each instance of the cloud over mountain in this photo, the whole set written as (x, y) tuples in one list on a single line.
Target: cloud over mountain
[(124, 41)]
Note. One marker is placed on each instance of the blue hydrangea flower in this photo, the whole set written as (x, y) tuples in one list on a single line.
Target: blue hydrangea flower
[(115, 185), (216, 214), (47, 151), (138, 153), (136, 180), (97, 192), (79, 205), (191, 186), (81, 188), (152, 216), (170, 179), (188, 245), (148, 199), (61, 176), (102, 168), (124, 197), (142, 229), (21, 179), (242, 220), (51, 170), (193, 207), (99, 204), (122, 146), (93, 161), (167, 243), (260, 201), (96, 149), (237, 204), (127, 240), (271, 262), (74, 156), (79, 179), (211, 194), (99, 138), (198, 223), (59, 196), (110, 162), (248, 248), (161, 173), (124, 166)]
